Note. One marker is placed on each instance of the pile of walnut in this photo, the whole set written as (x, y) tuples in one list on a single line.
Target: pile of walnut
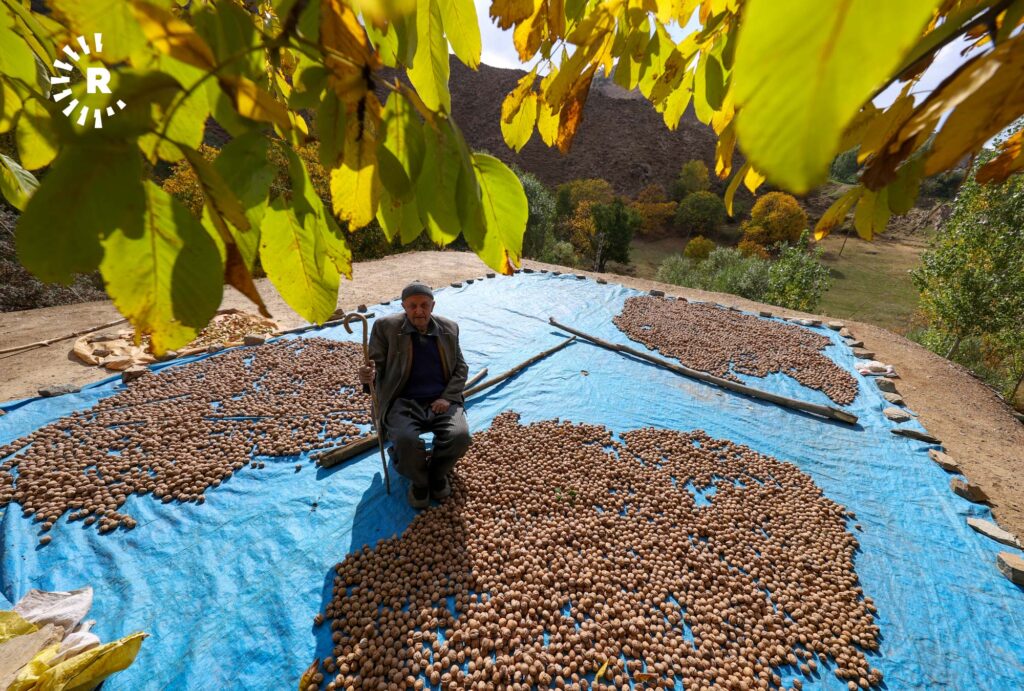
[(565, 552), (177, 433), (721, 341)]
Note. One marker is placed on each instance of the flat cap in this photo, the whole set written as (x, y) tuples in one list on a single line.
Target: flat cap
[(417, 289)]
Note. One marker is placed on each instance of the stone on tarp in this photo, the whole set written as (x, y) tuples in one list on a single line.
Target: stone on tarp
[(836, 326), (361, 308), (117, 362), (992, 531), (885, 384), (133, 373), (215, 348), (1012, 566), (764, 313), (968, 490), (919, 436), (944, 461), (845, 333), (58, 390), (853, 343), (254, 339), (490, 274), (168, 355), (893, 398), (863, 354), (896, 415), (600, 280), (658, 293)]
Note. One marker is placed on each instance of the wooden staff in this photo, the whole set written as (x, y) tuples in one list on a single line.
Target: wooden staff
[(370, 389), (822, 410)]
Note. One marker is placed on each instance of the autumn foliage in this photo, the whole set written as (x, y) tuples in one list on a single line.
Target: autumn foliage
[(776, 217)]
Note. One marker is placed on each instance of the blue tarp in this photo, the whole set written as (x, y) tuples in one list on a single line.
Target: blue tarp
[(228, 589)]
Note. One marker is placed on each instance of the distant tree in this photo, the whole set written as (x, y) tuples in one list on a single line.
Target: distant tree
[(614, 226), (797, 279), (540, 222), (693, 177), (701, 212), (776, 218), (698, 248), (573, 193), (845, 167)]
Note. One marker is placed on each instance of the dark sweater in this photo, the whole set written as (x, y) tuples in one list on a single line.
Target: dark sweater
[(426, 378)]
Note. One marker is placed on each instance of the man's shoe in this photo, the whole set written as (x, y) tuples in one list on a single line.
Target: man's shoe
[(440, 489), (419, 497)]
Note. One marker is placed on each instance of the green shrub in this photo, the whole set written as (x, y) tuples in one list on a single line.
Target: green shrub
[(798, 279), (724, 271), (541, 217), (749, 248), (693, 177), (777, 217), (845, 167), (943, 185), (698, 248), (701, 213), (561, 253), (656, 218), (614, 226)]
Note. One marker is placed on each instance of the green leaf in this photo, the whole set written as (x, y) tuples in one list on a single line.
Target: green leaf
[(701, 105), (10, 106), (243, 164), (400, 153), (167, 277), (35, 136), (462, 29), (122, 34), (229, 30), (216, 190), (714, 83), (16, 59), (505, 213), (59, 234), (429, 70), (872, 214), (309, 81), (309, 209), (330, 127), (437, 185), (803, 70), (399, 218), (296, 263), (16, 183)]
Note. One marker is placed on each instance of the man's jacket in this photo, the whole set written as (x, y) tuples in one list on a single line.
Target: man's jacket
[(391, 352)]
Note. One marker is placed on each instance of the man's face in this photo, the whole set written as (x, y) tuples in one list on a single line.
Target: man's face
[(417, 309)]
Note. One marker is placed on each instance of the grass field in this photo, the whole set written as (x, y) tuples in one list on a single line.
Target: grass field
[(871, 280)]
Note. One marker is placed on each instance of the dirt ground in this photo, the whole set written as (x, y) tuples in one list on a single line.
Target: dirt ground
[(975, 426)]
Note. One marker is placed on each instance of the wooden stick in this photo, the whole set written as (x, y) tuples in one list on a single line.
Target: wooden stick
[(49, 341), (476, 377), (823, 410), (341, 454)]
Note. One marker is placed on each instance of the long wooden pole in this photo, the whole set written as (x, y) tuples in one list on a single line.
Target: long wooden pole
[(343, 453), (822, 410), (49, 341)]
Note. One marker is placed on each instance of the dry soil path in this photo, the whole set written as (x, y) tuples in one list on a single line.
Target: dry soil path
[(975, 426)]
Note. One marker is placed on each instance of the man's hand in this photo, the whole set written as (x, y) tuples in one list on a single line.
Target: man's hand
[(441, 405), (366, 374)]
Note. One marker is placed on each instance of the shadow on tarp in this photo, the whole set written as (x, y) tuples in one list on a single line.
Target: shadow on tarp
[(229, 589)]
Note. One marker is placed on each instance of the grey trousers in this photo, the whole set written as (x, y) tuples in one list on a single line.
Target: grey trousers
[(407, 419)]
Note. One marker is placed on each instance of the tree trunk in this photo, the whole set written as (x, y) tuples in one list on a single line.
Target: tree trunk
[(953, 348), (1016, 389)]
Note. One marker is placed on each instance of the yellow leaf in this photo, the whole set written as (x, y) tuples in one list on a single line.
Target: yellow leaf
[(804, 69), (510, 106), (256, 104), (723, 151), (881, 129), (173, 36), (518, 132), (509, 12), (734, 185), (836, 213), (989, 107), (872, 214), (1009, 161), (547, 123), (529, 33), (752, 180), (571, 115), (462, 29), (601, 671), (355, 185), (341, 32), (854, 131)]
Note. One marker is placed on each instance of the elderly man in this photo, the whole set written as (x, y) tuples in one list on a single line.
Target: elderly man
[(420, 374)]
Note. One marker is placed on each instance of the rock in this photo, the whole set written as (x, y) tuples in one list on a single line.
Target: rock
[(854, 343), (254, 339), (877, 367), (806, 322), (491, 274), (1012, 566), (58, 390), (470, 281), (526, 270), (836, 326), (886, 384), (896, 415), (764, 313), (214, 347), (845, 333), (556, 273), (944, 461), (914, 434), (968, 491), (361, 308), (1019, 416), (658, 293), (992, 531), (117, 363), (602, 281), (862, 354), (101, 352), (580, 277), (814, 322), (168, 355), (893, 398), (133, 373)]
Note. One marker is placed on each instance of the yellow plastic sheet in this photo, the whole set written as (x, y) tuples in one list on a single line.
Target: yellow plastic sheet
[(12, 624), (80, 673)]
